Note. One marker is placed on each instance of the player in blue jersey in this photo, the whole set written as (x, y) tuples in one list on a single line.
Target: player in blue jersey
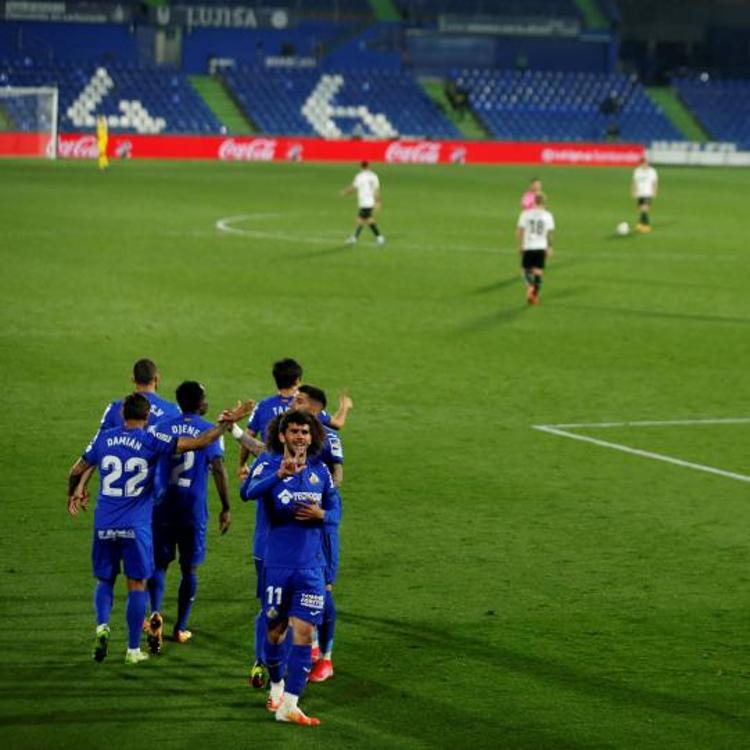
[(181, 517), (287, 374), (126, 457), (299, 497), (313, 401), (146, 381)]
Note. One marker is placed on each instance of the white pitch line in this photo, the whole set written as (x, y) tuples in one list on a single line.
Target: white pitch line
[(652, 423), (644, 454), (225, 225)]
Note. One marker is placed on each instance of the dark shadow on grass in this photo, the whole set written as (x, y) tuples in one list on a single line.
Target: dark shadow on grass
[(496, 286), (494, 319), (509, 314), (660, 314), (415, 718), (560, 674), (324, 252)]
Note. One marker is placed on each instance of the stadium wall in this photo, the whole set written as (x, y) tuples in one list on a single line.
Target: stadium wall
[(264, 149), (69, 41), (433, 50)]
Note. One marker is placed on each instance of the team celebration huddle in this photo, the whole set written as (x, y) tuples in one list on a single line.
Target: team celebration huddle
[(153, 459)]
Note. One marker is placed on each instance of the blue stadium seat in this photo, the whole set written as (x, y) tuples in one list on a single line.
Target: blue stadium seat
[(276, 101), (557, 106), (722, 106), (135, 99)]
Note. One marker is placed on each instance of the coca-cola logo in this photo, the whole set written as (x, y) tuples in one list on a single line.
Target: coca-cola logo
[(81, 147), (422, 152), (258, 149)]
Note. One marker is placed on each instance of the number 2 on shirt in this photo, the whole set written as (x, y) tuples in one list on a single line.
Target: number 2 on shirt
[(188, 459)]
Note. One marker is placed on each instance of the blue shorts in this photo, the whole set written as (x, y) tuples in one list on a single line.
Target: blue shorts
[(188, 539), (294, 592), (331, 554), (131, 546)]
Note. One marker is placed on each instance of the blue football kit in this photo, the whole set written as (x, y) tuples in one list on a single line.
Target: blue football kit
[(294, 584), (332, 454), (265, 411), (126, 459), (180, 518), (269, 408), (160, 409)]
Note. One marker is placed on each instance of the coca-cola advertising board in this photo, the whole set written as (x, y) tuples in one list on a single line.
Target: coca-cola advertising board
[(284, 148)]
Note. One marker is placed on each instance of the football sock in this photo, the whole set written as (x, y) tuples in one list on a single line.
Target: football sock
[(134, 614), (327, 627), (260, 637), (375, 230), (186, 597), (300, 664), (358, 230), (644, 217), (537, 282), (274, 657), (103, 598), (156, 585), (277, 690), (528, 277)]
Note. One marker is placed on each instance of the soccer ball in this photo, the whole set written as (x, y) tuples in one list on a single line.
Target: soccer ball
[(623, 228)]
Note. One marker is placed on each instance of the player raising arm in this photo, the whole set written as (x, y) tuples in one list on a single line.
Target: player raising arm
[(299, 497), (180, 520), (313, 401), (126, 458)]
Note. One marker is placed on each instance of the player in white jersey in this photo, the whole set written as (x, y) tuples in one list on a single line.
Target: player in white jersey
[(367, 186), (644, 190), (534, 233)]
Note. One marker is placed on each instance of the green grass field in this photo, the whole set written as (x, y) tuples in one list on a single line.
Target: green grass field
[(501, 587)]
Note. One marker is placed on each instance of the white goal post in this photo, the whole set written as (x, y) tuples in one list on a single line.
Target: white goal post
[(28, 121)]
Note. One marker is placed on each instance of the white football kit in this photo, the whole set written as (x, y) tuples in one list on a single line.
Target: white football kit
[(367, 184), (536, 223), (645, 180)]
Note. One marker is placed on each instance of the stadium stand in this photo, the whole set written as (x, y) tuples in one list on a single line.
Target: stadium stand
[(366, 103), (721, 106), (135, 99), (540, 105)]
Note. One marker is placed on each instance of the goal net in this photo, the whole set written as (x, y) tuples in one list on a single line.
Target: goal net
[(28, 121)]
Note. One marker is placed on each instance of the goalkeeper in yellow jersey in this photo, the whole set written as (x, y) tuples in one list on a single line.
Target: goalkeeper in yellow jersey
[(102, 137)]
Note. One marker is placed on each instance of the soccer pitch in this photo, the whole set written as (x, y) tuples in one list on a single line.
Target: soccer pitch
[(501, 585)]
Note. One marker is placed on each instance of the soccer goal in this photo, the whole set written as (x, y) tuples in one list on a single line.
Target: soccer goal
[(28, 121)]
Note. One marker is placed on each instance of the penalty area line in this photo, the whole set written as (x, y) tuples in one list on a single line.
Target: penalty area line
[(653, 423), (555, 430)]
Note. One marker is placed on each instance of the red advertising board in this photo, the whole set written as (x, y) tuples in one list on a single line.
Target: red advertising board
[(284, 148)]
